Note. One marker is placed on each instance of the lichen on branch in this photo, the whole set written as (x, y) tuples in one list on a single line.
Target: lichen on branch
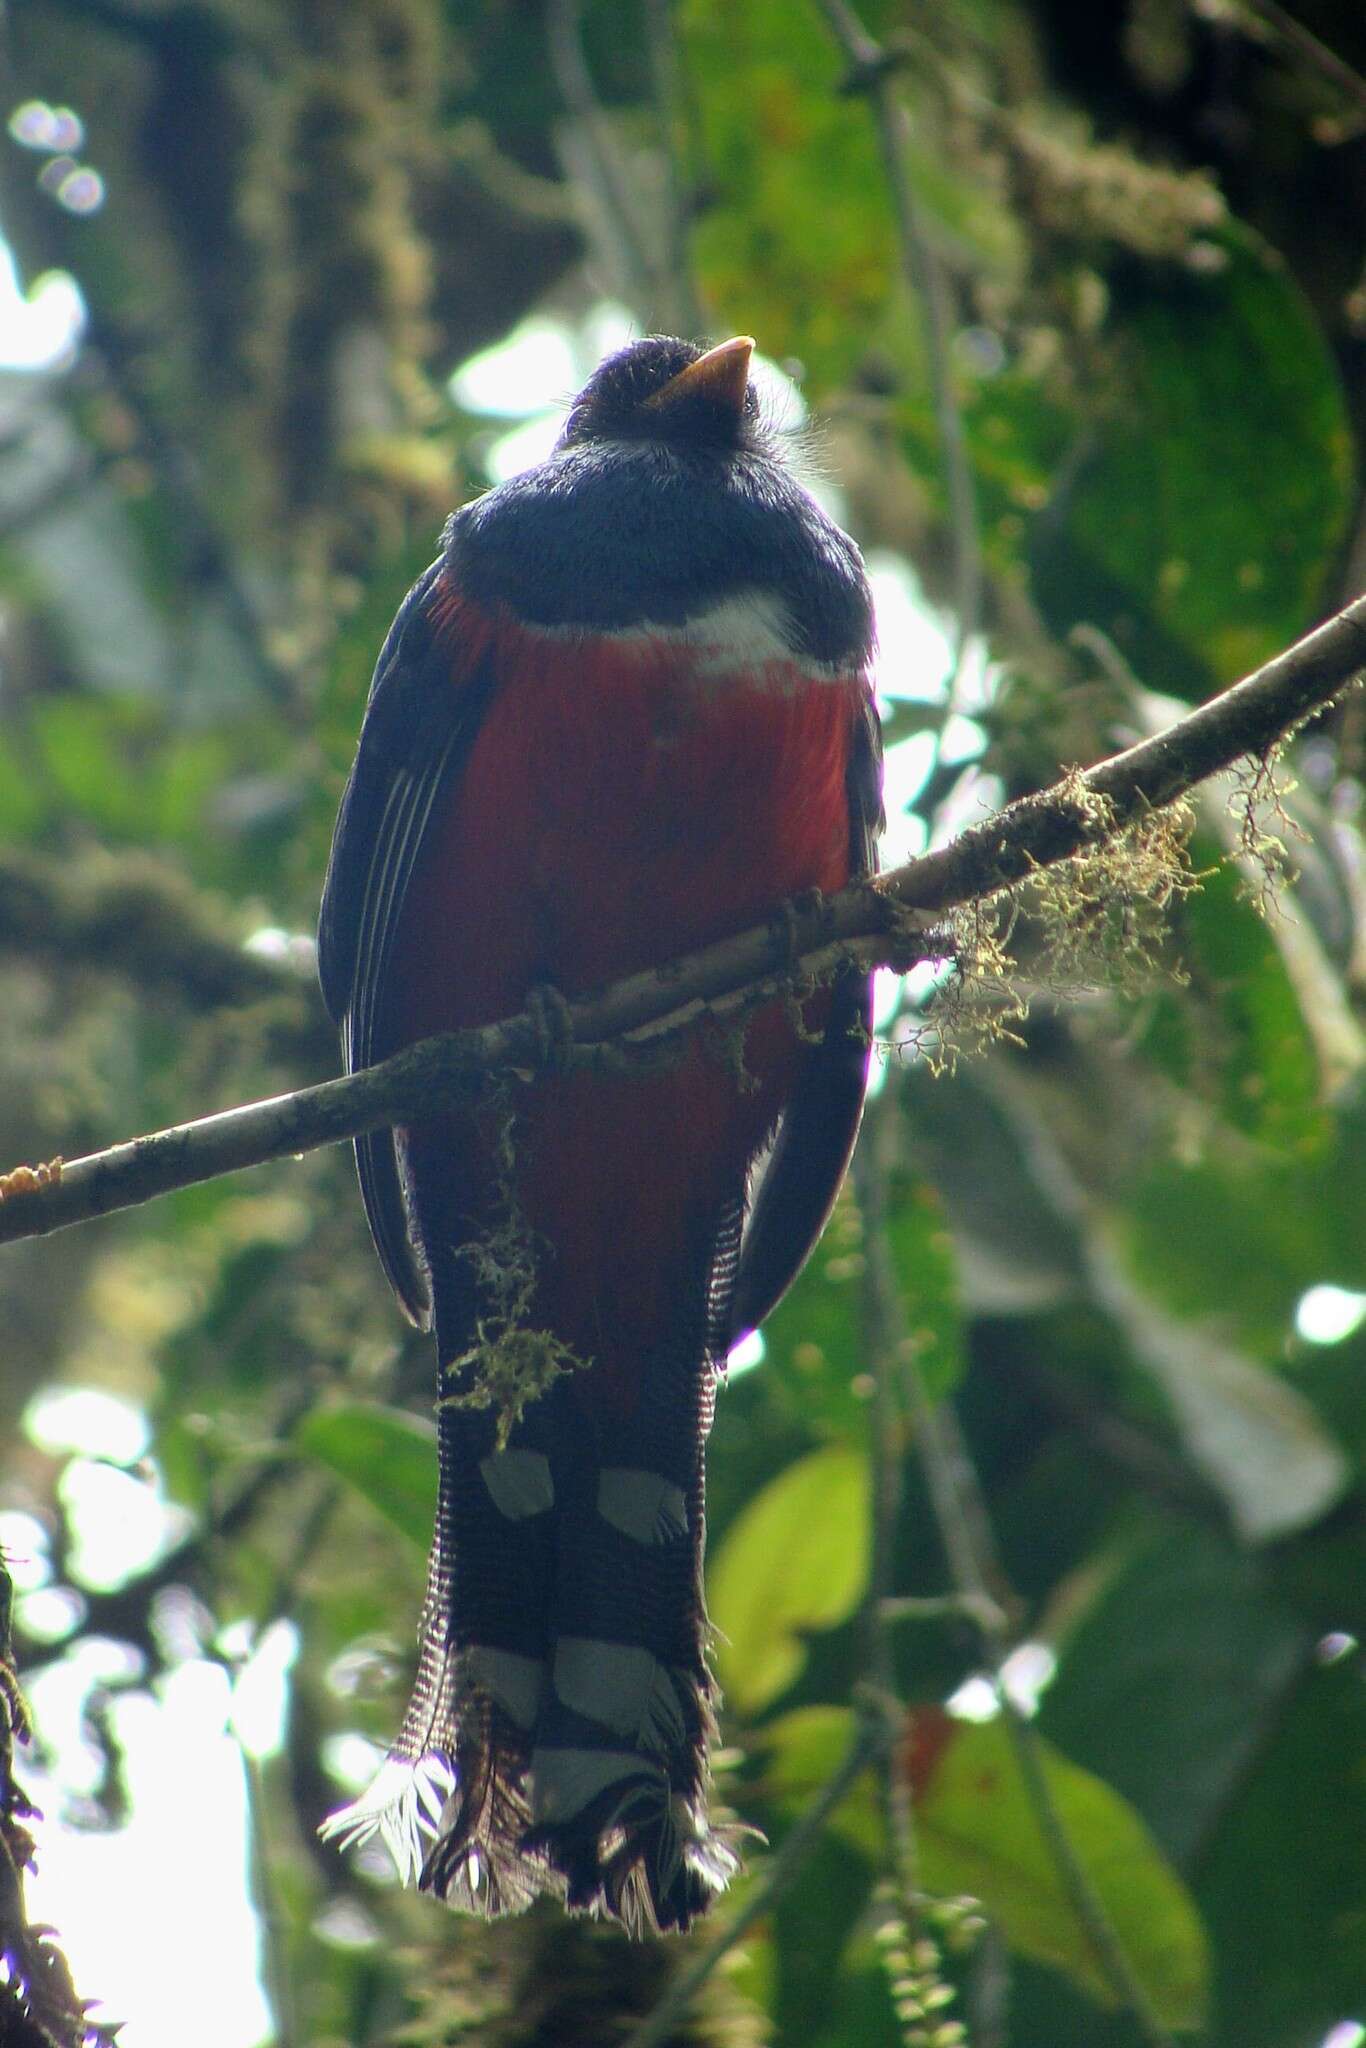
[(895, 922)]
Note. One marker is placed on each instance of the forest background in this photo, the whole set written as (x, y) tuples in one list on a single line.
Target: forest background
[(1037, 1533)]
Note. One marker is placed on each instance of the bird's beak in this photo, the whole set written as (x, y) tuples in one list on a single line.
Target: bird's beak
[(721, 377)]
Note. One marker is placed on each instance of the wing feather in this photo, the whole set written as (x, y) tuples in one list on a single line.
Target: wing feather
[(801, 1175), (420, 723)]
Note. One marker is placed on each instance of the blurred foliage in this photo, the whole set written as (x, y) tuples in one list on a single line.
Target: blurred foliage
[(1149, 221)]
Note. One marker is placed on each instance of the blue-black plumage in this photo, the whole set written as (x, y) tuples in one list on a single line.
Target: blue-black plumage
[(626, 712)]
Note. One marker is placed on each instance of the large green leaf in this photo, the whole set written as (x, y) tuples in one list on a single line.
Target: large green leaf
[(796, 1559), (1228, 1236), (1284, 1882), (977, 1833), (386, 1454), (1199, 534), (1172, 1677)]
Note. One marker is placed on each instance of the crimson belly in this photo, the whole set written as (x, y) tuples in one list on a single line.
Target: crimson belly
[(623, 802)]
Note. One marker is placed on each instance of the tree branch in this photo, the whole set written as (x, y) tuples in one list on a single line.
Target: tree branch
[(598, 163), (1316, 54), (661, 41), (892, 922), (871, 72), (135, 915)]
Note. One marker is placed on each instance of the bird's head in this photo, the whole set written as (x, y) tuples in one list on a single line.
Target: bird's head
[(671, 392), (666, 494)]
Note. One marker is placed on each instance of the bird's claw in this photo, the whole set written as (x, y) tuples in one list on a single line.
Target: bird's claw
[(787, 923), (553, 1024)]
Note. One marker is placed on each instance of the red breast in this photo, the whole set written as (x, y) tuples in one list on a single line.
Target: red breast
[(629, 796)]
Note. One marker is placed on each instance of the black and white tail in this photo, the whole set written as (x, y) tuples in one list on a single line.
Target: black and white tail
[(558, 1733)]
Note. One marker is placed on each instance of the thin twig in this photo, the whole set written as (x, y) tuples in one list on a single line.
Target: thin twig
[(548, 201), (685, 313), (888, 1432), (871, 1738), (601, 165), (1306, 45), (891, 923), (108, 349), (984, 1616), (965, 1529), (871, 72)]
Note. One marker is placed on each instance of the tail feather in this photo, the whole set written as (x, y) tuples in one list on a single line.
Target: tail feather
[(478, 1861), (619, 1774), (451, 1801), (635, 1851), (403, 1806), (558, 1734)]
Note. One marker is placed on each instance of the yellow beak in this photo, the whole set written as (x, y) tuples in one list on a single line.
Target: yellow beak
[(721, 376)]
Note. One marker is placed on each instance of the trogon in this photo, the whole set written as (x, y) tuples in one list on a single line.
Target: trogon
[(626, 712)]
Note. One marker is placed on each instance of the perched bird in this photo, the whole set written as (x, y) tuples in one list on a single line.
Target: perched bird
[(626, 712)]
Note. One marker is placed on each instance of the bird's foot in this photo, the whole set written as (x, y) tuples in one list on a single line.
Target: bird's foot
[(787, 921), (553, 1023)]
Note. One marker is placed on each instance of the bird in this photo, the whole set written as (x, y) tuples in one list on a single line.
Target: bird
[(628, 710)]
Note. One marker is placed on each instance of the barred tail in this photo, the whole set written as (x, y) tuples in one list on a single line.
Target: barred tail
[(451, 1801), (619, 1771), (558, 1734)]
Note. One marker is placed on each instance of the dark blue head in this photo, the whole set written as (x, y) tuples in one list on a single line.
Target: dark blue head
[(672, 393), (663, 497)]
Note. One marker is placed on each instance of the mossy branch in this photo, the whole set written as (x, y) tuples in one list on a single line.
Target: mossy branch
[(132, 914), (893, 922)]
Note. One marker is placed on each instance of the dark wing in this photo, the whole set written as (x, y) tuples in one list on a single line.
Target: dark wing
[(419, 725), (806, 1163)]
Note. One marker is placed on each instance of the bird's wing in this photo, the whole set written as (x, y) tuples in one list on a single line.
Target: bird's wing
[(420, 723), (806, 1162)]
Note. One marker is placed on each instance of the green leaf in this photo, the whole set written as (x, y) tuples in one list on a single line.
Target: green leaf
[(796, 1559), (802, 1749), (1284, 1881), (1015, 1252), (977, 1833), (1234, 1238), (1199, 534), (813, 1341), (386, 1454), (1172, 1678), (1252, 1433), (796, 244), (922, 1248), (1237, 1034)]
